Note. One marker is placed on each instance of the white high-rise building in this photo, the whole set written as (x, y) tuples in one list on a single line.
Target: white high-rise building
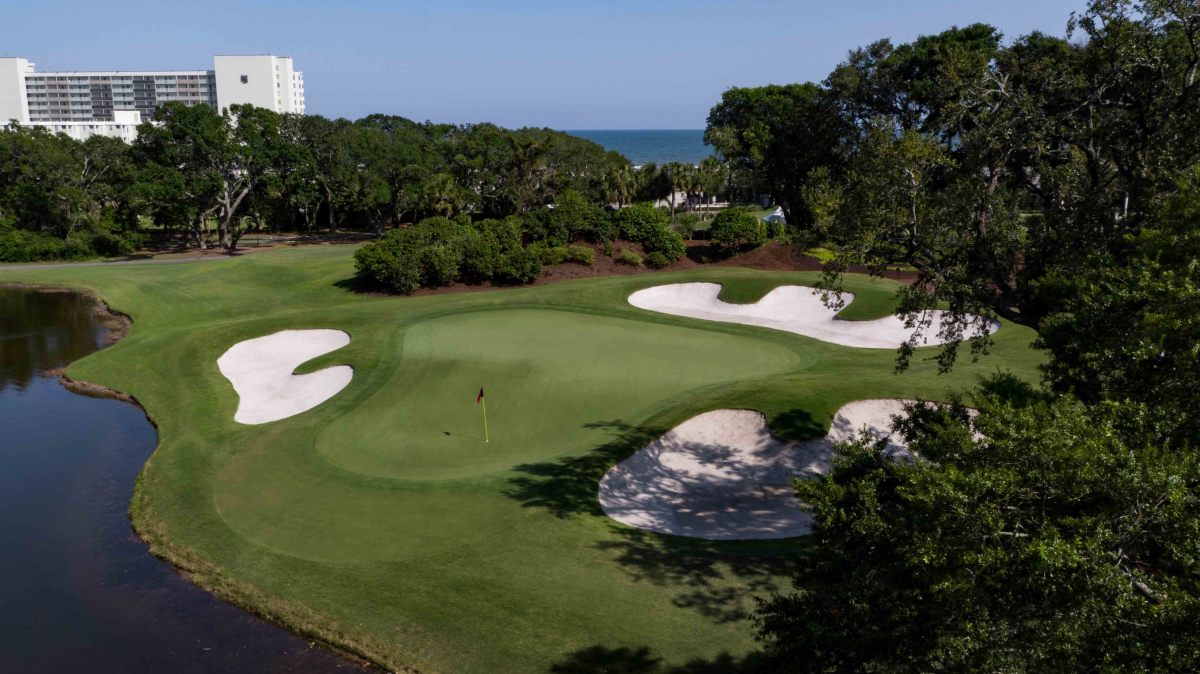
[(113, 103)]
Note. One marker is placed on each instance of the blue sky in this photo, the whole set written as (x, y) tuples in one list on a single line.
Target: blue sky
[(567, 64)]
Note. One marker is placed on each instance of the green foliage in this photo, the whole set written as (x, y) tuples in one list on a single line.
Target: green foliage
[(989, 168), (657, 260), (391, 263), (18, 245), (630, 258), (506, 233), (637, 221), (440, 264), (1129, 330), (479, 255), (1040, 536), (776, 230), (775, 136), (581, 255), (191, 167), (687, 224), (650, 227), (736, 229), (428, 254), (574, 218), (518, 266), (822, 255), (55, 188), (664, 241), (551, 255)]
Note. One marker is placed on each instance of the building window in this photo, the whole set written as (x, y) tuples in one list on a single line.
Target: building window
[(245, 79)]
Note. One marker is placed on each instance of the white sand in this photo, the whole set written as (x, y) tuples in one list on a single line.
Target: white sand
[(261, 372), (721, 476), (796, 309)]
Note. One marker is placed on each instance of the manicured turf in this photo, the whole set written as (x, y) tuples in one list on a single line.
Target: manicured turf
[(380, 520)]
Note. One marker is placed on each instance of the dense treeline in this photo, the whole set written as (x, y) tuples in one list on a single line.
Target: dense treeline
[(192, 170), (1054, 182), (439, 251), (62, 199)]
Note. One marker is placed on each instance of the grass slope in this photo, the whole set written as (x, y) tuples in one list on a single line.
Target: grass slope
[(381, 522)]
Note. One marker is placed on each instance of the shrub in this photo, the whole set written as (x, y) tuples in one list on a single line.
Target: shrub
[(661, 239), (106, 240), (17, 245), (392, 266), (606, 230), (657, 260), (439, 264), (540, 226), (635, 222), (629, 257), (608, 248), (576, 218), (111, 244), (823, 255), (687, 224), (554, 255), (429, 253), (479, 255), (776, 229), (581, 255), (506, 234), (518, 266), (737, 228)]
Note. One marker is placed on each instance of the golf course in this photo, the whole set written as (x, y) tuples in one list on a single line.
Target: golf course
[(380, 521)]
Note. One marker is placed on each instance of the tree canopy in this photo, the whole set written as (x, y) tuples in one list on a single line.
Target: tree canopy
[(990, 168), (192, 168), (1055, 183)]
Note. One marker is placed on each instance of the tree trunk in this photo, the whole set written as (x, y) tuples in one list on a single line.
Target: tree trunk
[(198, 230), (223, 231), (329, 200)]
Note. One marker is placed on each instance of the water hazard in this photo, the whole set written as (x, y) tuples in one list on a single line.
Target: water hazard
[(78, 589)]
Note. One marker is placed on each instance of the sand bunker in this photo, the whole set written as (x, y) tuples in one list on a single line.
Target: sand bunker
[(721, 476), (261, 372), (796, 309)]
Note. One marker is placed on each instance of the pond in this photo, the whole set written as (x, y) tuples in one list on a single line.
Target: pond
[(80, 591)]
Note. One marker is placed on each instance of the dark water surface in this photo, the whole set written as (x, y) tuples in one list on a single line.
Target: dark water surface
[(652, 145), (78, 590)]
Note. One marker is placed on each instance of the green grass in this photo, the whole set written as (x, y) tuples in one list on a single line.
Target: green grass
[(381, 521)]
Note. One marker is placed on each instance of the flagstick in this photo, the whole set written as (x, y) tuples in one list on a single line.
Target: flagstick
[(483, 401)]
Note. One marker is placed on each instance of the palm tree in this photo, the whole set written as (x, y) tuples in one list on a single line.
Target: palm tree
[(442, 195), (620, 185), (677, 177), (711, 176)]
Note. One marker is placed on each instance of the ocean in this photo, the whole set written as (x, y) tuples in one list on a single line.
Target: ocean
[(650, 145)]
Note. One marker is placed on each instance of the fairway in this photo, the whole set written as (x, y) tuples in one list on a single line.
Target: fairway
[(381, 521)]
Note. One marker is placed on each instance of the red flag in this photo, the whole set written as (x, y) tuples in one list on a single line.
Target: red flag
[(479, 397)]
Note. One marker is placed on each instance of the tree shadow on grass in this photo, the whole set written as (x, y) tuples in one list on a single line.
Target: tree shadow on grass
[(641, 660), (363, 285), (567, 487), (717, 578)]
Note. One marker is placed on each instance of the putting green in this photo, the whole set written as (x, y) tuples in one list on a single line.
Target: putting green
[(551, 378), (379, 520)]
